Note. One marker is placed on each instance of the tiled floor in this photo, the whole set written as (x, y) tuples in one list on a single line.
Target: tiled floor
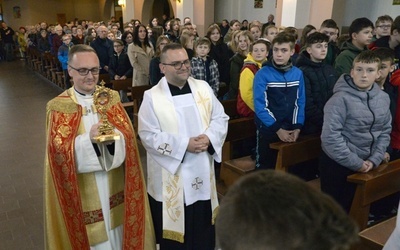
[(23, 98)]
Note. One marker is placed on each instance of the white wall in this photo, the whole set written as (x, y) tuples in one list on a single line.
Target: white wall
[(237, 9), (370, 9), (289, 13), (303, 13), (342, 11)]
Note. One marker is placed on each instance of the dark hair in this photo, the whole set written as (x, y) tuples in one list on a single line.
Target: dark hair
[(358, 24), (136, 40), (119, 41), (133, 21), (329, 23), (367, 56), (232, 22), (304, 33), (284, 37), (384, 54), (124, 35), (169, 46), (396, 25), (157, 31), (271, 209), (316, 37), (151, 22)]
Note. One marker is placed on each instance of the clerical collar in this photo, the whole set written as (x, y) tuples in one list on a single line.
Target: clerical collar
[(179, 91), (82, 94)]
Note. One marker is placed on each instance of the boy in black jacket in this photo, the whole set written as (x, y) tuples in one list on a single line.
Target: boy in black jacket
[(319, 79)]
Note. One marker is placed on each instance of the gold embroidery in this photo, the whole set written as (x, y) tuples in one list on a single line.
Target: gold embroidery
[(204, 101), (172, 235), (62, 104), (64, 130), (172, 204)]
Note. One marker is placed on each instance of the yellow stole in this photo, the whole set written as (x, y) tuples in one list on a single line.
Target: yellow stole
[(173, 201), (73, 214)]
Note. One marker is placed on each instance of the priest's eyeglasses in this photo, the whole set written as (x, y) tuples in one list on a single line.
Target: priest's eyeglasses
[(85, 71), (178, 65)]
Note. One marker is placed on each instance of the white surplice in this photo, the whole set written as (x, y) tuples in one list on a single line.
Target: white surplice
[(168, 151), (87, 162)]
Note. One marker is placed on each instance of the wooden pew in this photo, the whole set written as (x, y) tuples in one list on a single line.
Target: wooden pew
[(230, 108), (137, 98), (105, 78), (306, 148), (375, 237), (48, 65), (232, 169), (238, 129), (372, 186), (235, 131), (124, 86)]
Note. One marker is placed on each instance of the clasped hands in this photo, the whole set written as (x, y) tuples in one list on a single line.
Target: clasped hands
[(288, 135), (198, 144), (366, 166)]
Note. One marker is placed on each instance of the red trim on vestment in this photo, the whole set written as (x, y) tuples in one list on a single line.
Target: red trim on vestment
[(63, 130), (134, 218)]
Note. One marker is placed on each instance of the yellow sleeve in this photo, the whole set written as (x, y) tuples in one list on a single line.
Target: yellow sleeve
[(246, 87)]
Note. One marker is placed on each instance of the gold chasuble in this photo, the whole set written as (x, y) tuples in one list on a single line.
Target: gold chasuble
[(73, 214)]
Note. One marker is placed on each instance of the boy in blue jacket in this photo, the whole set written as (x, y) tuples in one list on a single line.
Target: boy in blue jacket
[(62, 56), (279, 100)]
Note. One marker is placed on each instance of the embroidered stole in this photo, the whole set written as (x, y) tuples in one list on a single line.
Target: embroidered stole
[(81, 207), (172, 185)]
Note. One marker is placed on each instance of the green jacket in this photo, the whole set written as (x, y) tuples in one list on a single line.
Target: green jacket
[(344, 61)]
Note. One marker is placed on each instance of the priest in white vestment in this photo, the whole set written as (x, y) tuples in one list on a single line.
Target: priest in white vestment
[(183, 127)]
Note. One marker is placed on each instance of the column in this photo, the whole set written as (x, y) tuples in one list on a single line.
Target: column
[(128, 10)]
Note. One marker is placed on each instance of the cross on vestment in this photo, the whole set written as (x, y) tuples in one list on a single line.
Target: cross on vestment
[(164, 149), (197, 183)]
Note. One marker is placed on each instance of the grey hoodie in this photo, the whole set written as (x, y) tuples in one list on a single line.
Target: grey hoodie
[(357, 124)]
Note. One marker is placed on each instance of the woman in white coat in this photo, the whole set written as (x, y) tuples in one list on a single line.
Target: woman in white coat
[(140, 53)]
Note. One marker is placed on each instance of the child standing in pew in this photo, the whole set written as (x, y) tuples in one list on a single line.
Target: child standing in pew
[(253, 62), (203, 66), (386, 56), (356, 128), (319, 79), (279, 100)]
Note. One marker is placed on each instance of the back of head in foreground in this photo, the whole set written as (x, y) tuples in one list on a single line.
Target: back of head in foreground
[(274, 210)]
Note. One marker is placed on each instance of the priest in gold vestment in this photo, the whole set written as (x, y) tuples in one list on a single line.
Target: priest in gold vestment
[(95, 195)]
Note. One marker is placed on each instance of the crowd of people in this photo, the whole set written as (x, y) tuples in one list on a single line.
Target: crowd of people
[(342, 87)]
